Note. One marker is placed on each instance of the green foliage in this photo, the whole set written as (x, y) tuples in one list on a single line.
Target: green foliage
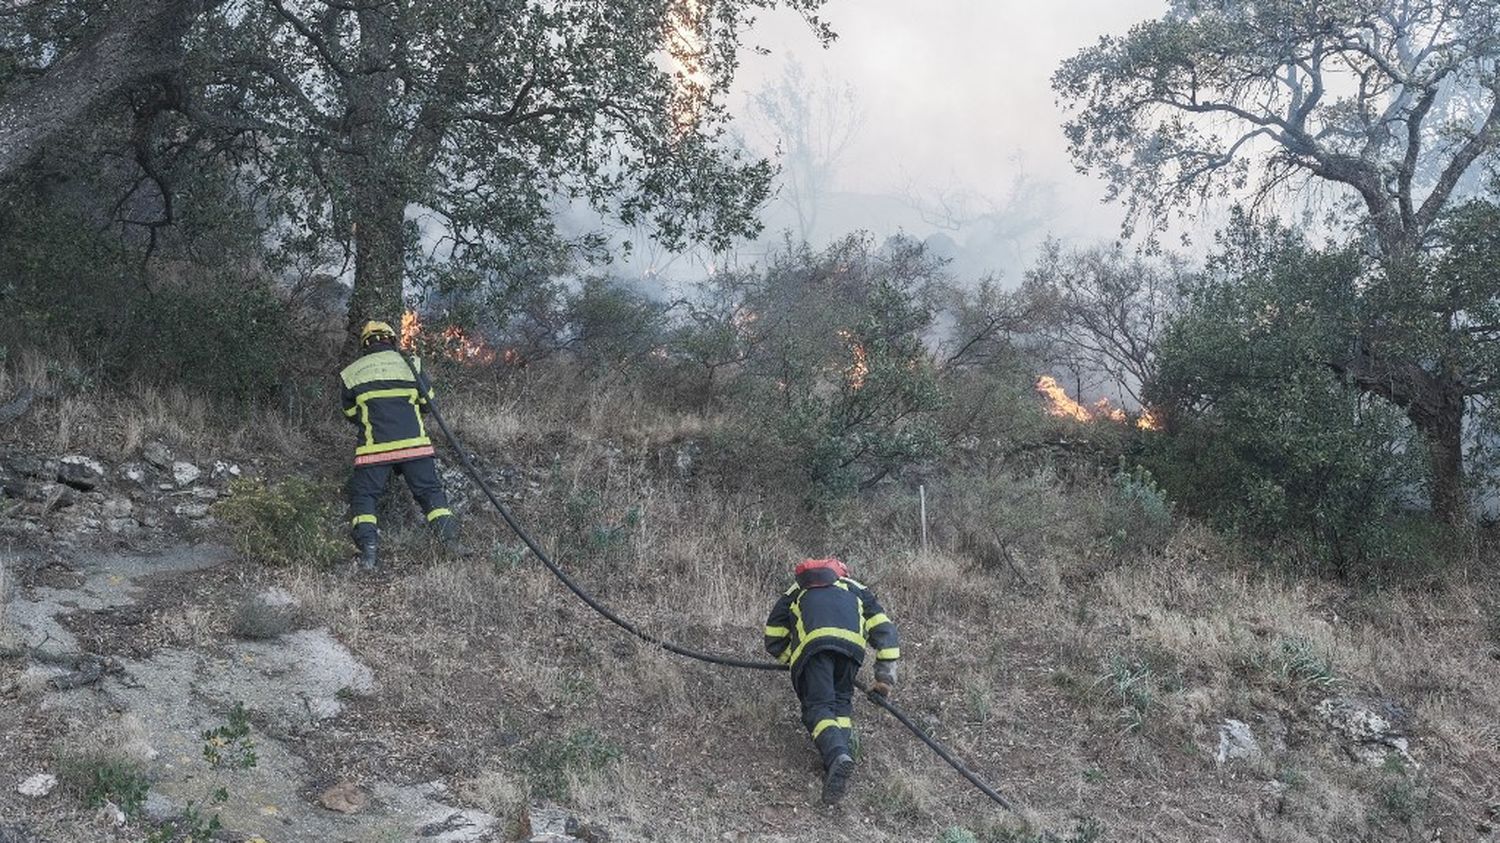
[(285, 523), (1267, 439), (957, 834), (549, 764), (1136, 685), (229, 745), (1140, 517), (101, 777), (1297, 662), (836, 388)]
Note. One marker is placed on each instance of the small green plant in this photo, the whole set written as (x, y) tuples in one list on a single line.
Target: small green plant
[(1134, 683), (99, 778), (1297, 661), (1142, 513), (957, 834), (283, 523), (1398, 796), (229, 745), (549, 765)]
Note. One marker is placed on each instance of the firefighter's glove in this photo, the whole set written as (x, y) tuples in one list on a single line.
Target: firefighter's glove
[(885, 673)]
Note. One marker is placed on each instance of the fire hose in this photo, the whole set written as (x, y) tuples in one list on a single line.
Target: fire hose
[(688, 652)]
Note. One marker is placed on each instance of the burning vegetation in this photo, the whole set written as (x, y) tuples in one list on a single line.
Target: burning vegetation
[(451, 342), (1061, 405)]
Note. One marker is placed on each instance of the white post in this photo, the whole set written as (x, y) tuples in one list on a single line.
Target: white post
[(922, 494)]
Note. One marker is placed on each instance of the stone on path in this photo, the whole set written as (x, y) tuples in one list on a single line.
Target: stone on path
[(38, 785), (345, 798)]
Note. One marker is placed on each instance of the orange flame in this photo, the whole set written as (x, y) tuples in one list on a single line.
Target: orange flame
[(859, 369), (452, 342), (1061, 405)]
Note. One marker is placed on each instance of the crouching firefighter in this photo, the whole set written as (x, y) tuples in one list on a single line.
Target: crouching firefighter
[(820, 627), (386, 400)]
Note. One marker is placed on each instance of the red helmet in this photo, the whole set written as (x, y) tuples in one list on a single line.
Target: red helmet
[(832, 562)]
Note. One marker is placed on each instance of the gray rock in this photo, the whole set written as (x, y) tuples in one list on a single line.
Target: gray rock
[(205, 493), (135, 473), (1372, 730), (116, 507), (38, 785), (35, 467), (185, 473), (223, 469), (122, 526), (80, 472), (192, 511), (157, 454), (1236, 742)]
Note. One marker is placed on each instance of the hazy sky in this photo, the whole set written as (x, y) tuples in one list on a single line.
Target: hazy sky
[(952, 92)]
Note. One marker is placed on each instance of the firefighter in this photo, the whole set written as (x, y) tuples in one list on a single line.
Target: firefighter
[(386, 402), (820, 627)]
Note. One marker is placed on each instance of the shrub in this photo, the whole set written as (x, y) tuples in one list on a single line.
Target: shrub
[(284, 523), (549, 765), (100, 776)]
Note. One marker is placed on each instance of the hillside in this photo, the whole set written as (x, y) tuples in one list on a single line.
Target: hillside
[(1119, 682)]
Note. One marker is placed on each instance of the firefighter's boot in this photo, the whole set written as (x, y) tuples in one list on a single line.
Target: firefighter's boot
[(836, 780), (369, 555)]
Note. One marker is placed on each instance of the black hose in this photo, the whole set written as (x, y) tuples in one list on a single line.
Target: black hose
[(942, 751), (710, 658)]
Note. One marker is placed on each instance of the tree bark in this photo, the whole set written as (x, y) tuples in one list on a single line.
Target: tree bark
[(1435, 405), (142, 41), (376, 177), (1443, 426)]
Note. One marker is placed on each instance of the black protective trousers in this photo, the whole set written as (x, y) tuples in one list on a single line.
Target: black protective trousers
[(824, 682), (367, 484)]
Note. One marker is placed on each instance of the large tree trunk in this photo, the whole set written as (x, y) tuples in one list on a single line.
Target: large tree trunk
[(142, 41), (1435, 405), (376, 176), (1442, 424)]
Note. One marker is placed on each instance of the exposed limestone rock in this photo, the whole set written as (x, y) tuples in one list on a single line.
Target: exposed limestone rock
[(185, 473), (38, 785), (80, 472), (1372, 730), (1236, 742), (157, 454)]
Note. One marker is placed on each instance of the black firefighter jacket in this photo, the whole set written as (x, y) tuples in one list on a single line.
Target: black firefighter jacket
[(386, 402), (825, 612)]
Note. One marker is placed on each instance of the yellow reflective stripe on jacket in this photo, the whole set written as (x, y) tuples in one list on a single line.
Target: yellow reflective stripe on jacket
[(845, 723), (363, 519), (876, 620), (822, 725), (381, 366), (777, 632), (888, 654), (440, 512), (827, 632), (382, 447), (351, 412)]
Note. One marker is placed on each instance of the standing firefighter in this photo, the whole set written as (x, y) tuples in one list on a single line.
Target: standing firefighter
[(820, 627), (386, 400)]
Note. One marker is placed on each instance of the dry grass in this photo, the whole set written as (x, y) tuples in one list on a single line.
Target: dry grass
[(1084, 679)]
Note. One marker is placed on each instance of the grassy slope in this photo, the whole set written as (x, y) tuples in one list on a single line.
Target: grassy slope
[(1083, 679)]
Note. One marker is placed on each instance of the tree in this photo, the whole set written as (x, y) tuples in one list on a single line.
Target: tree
[(1102, 312), (60, 61), (1391, 103), (813, 128), (1267, 439), (482, 116)]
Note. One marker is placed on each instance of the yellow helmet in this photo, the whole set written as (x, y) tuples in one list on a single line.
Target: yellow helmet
[(375, 330)]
